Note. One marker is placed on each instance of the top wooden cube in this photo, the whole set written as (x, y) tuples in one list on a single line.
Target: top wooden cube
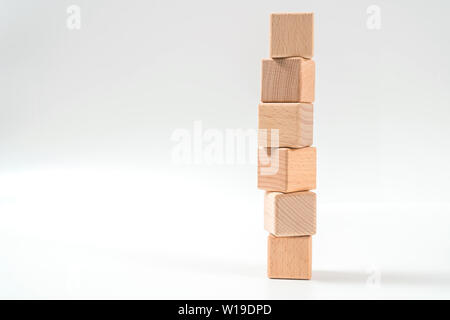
[(291, 35)]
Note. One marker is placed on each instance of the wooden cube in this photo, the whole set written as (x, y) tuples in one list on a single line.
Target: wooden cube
[(291, 35), (288, 80), (289, 257), (290, 214), (287, 170), (294, 122)]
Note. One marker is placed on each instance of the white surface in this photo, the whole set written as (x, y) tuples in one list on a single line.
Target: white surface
[(91, 205), (106, 233)]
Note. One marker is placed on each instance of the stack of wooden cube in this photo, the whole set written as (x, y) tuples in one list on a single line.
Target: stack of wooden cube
[(287, 162)]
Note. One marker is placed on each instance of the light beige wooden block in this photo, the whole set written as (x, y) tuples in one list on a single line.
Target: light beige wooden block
[(290, 214), (294, 122), (292, 35), (287, 170), (289, 257), (288, 80)]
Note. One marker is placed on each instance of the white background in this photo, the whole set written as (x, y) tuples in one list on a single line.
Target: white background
[(92, 205)]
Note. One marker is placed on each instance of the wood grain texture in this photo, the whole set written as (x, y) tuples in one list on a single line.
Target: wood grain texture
[(289, 257), (294, 122), (292, 35), (288, 80), (290, 214), (291, 169)]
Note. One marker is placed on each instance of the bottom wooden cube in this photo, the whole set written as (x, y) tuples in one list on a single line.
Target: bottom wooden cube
[(289, 257)]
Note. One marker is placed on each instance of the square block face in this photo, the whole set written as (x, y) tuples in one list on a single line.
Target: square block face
[(287, 170), (289, 257), (288, 80), (290, 214), (294, 122), (292, 35)]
